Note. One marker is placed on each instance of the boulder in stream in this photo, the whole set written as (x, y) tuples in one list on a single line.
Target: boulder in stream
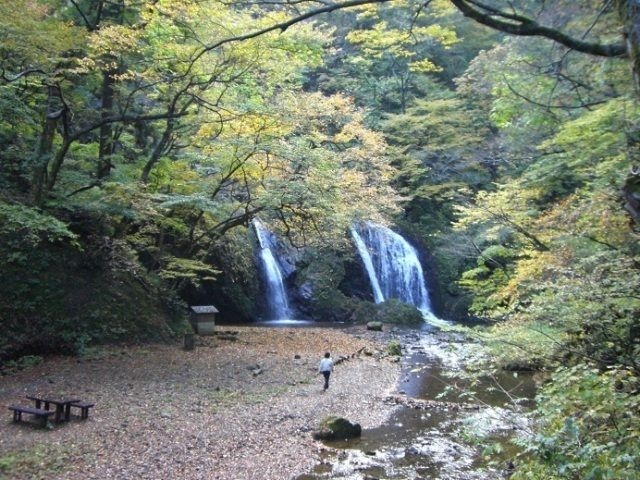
[(337, 428), (375, 326)]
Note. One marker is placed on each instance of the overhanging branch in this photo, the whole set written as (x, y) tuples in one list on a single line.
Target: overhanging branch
[(521, 25), (282, 26)]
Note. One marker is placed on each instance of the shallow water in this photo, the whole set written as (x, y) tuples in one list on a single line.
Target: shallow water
[(445, 440), (430, 373)]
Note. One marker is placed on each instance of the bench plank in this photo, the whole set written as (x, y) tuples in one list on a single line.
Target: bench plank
[(84, 408), (36, 412)]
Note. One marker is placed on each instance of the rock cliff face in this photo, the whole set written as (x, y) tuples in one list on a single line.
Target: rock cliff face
[(330, 284), (321, 284), (327, 286)]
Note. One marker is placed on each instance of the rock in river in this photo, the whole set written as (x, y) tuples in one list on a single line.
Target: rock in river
[(337, 428)]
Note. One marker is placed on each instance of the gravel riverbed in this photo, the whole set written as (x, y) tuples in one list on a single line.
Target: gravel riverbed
[(241, 405)]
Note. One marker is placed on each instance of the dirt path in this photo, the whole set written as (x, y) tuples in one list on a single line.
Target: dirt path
[(242, 405)]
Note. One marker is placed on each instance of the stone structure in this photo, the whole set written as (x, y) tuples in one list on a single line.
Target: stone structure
[(203, 319)]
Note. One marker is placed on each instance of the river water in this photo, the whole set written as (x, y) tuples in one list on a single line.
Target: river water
[(448, 427)]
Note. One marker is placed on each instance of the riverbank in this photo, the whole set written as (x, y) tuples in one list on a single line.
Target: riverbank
[(241, 405)]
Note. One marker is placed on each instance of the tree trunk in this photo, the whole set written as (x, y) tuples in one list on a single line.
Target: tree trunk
[(106, 130), (630, 18), (44, 152), (629, 11), (159, 149)]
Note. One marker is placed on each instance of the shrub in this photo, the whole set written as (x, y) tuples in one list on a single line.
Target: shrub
[(588, 426), (394, 348)]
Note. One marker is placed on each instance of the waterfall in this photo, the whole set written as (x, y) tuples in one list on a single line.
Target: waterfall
[(378, 297), (393, 266), (276, 293)]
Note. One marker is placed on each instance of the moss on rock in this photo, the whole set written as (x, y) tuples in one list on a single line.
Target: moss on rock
[(337, 428)]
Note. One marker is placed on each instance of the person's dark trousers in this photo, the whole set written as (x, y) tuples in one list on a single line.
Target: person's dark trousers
[(326, 379)]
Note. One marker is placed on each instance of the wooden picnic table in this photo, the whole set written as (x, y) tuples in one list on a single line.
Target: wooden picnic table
[(63, 405)]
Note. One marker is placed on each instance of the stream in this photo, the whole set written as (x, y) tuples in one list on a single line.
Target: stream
[(441, 431)]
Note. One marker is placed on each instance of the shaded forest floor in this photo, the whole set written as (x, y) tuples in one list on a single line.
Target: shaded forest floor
[(241, 405)]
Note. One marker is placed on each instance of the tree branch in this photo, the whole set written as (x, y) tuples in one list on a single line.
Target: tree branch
[(282, 26), (19, 75), (548, 106), (521, 25)]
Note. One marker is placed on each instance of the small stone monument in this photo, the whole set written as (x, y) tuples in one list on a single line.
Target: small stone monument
[(203, 319), (189, 341)]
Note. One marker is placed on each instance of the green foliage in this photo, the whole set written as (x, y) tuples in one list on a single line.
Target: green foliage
[(31, 462), (594, 301), (187, 269), (524, 148), (544, 218), (21, 227), (200, 137), (438, 125), (516, 345), (588, 426), (396, 312), (391, 311), (22, 363), (496, 256), (546, 254), (394, 348), (382, 41), (57, 299), (33, 37), (7, 462)]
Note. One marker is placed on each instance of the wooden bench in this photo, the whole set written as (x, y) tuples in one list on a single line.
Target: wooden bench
[(84, 408), (36, 412)]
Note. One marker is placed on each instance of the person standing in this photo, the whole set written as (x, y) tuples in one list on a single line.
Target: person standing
[(325, 368)]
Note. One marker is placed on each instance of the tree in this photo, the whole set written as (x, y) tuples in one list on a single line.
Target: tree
[(154, 151), (514, 18), (591, 35)]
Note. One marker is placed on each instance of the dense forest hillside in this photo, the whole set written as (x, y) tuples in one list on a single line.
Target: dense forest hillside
[(140, 139)]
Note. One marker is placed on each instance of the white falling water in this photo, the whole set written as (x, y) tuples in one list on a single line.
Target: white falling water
[(378, 297), (393, 266), (276, 293)]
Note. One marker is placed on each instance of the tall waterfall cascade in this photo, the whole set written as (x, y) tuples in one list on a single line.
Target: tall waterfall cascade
[(276, 293), (392, 266)]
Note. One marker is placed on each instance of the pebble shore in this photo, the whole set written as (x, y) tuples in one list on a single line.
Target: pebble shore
[(241, 405)]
